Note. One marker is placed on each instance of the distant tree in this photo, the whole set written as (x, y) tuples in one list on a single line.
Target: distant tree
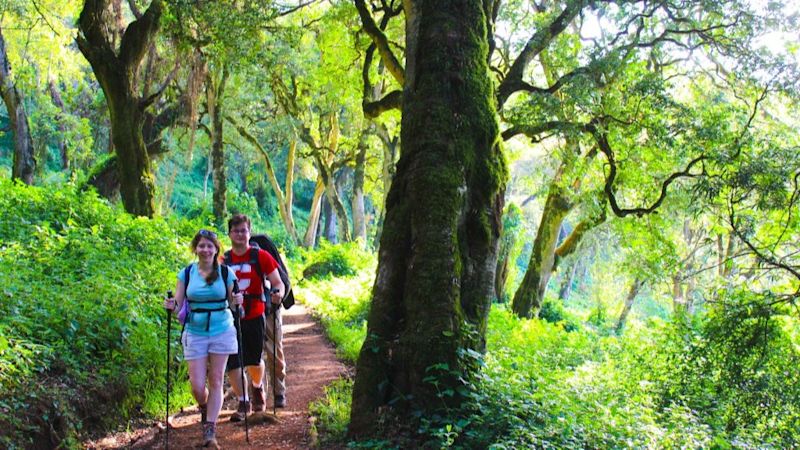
[(24, 161), (117, 71)]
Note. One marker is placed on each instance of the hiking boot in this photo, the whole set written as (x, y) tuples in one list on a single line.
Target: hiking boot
[(241, 412), (280, 401), (210, 435), (258, 397), (203, 412)]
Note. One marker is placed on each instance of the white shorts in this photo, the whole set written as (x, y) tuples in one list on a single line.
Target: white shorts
[(195, 347)]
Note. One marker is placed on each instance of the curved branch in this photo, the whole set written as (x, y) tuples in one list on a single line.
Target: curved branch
[(381, 42), (535, 45), (533, 131), (138, 35), (605, 147), (392, 100)]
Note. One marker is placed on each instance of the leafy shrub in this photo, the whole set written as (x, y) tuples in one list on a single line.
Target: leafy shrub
[(553, 311), (332, 411), (342, 305), (339, 260), (80, 313)]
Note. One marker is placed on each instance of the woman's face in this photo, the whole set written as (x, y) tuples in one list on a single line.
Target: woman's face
[(205, 250)]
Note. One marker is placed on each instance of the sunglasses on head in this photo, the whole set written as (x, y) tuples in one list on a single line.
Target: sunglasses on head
[(208, 234)]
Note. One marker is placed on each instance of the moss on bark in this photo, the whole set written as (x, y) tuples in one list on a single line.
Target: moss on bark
[(437, 256)]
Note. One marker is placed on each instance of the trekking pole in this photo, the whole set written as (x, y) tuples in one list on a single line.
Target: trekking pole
[(274, 347), (241, 366), (169, 333)]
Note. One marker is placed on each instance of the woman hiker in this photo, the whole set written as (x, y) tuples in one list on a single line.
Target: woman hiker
[(209, 335)]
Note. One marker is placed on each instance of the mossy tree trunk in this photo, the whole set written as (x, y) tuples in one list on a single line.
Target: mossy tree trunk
[(438, 249), (530, 294), (24, 162), (215, 90), (116, 71), (636, 286)]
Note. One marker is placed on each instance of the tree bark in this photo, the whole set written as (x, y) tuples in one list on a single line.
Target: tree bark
[(436, 263), (331, 224), (314, 214), (530, 294), (566, 285), (24, 160), (357, 206), (629, 299), (214, 94), (55, 96), (117, 74)]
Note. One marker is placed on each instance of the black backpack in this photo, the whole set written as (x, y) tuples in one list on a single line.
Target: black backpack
[(265, 243), (261, 241)]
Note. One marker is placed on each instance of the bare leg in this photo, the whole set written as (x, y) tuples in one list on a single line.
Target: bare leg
[(256, 373), (235, 379), (216, 373), (197, 378)]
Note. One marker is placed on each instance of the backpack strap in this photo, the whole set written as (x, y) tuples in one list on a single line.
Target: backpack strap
[(187, 272)]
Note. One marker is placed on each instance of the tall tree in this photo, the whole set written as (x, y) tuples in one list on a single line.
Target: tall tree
[(438, 248), (117, 72), (24, 161)]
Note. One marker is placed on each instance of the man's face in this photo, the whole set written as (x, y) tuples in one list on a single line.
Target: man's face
[(240, 234)]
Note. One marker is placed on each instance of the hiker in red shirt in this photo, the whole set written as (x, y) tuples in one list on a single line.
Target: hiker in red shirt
[(251, 266)]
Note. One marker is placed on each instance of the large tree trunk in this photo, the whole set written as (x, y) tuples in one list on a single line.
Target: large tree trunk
[(530, 294), (24, 161), (214, 93), (436, 263), (116, 73)]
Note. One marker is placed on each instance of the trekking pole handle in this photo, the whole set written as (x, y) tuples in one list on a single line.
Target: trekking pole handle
[(239, 308), (169, 296)]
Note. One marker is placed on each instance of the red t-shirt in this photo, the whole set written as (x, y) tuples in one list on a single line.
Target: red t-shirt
[(249, 283)]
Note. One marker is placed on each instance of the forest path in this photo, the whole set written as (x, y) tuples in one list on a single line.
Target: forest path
[(311, 365)]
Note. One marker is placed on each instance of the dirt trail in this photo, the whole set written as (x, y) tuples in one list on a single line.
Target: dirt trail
[(311, 365)]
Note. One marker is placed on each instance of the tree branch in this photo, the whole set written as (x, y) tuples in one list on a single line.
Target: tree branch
[(392, 100), (137, 36), (535, 45), (381, 42), (605, 147)]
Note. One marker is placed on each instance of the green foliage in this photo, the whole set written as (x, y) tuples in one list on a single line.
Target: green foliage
[(342, 305), (656, 387), (342, 260), (80, 312), (332, 411), (553, 311)]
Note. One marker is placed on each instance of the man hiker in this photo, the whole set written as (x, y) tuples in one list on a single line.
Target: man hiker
[(251, 265)]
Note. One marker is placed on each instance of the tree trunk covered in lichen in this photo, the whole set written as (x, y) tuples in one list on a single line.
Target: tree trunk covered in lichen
[(438, 249), (116, 71), (530, 294), (215, 90), (24, 161)]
